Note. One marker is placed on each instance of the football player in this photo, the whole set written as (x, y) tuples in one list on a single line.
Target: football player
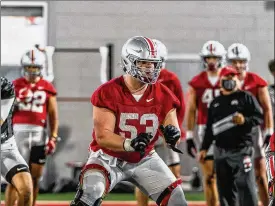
[(271, 88), (127, 112), (238, 56), (270, 161), (13, 166), (203, 88), (36, 99), (169, 79)]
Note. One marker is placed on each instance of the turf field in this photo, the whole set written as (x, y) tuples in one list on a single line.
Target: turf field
[(113, 199)]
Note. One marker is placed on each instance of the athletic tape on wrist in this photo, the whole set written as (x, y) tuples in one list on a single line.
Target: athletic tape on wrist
[(127, 146), (268, 131)]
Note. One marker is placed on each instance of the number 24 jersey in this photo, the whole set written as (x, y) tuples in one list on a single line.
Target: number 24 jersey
[(32, 101), (133, 117)]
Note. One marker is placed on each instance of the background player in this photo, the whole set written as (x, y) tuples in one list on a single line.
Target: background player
[(36, 98), (13, 167), (270, 160), (271, 88), (169, 79), (202, 90), (239, 56), (127, 112)]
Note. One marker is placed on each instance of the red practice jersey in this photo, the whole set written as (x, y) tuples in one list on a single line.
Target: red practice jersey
[(133, 117), (171, 80), (253, 82), (205, 93), (32, 101)]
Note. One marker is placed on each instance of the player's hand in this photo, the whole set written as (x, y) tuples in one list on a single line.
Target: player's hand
[(138, 144), (202, 156), (171, 135), (238, 119), (191, 148), (51, 146)]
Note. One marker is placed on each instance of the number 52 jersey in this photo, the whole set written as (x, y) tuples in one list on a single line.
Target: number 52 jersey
[(32, 101), (133, 117)]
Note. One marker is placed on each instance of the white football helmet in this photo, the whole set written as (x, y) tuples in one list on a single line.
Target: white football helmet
[(141, 48), (213, 49), (163, 52), (34, 59), (238, 51)]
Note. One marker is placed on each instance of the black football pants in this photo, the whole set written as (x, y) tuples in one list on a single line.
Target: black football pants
[(235, 177)]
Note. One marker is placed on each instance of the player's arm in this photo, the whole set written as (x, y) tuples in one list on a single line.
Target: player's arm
[(7, 98), (180, 94), (191, 119), (171, 118), (6, 105), (170, 130), (208, 136), (53, 120), (53, 116), (191, 112), (104, 125), (265, 102)]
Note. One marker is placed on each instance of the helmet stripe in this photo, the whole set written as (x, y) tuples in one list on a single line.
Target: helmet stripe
[(32, 56), (151, 45)]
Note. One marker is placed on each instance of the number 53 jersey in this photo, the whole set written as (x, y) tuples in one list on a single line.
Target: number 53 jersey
[(132, 116), (32, 101)]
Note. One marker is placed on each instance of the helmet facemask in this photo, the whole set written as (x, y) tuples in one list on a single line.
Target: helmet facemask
[(147, 75), (241, 65), (32, 70), (212, 66)]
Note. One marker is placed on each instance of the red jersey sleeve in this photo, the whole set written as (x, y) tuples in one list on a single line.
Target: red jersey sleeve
[(180, 95), (51, 89), (194, 82), (170, 100), (102, 98), (260, 81)]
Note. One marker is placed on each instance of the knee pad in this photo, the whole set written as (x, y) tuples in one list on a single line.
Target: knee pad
[(177, 197), (164, 197), (93, 186)]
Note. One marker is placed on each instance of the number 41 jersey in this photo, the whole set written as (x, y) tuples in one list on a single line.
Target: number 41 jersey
[(205, 93), (133, 117), (32, 101)]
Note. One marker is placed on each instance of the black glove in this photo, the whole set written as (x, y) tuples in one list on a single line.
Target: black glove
[(138, 144), (266, 140), (171, 135), (191, 147)]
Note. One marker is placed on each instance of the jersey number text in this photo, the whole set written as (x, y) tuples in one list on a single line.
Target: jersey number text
[(142, 120)]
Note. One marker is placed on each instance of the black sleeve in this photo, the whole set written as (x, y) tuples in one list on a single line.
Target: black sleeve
[(253, 116), (7, 89), (208, 136)]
